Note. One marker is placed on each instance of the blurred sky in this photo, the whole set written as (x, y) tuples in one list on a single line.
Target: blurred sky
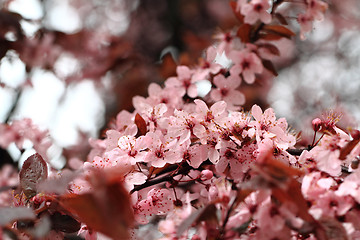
[(49, 103)]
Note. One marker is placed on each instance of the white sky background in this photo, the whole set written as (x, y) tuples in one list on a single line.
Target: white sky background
[(63, 111), (324, 80)]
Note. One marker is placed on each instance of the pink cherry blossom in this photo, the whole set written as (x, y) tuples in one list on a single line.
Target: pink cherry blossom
[(184, 125), (255, 10), (316, 9), (133, 149), (314, 185), (153, 115), (332, 205), (207, 65), (134, 178), (213, 145), (112, 138), (227, 155), (158, 201), (161, 150), (20, 130), (267, 145), (206, 115), (306, 22), (226, 90), (246, 63), (194, 155), (125, 123), (237, 123), (184, 81), (172, 97), (225, 42), (269, 217), (327, 154), (239, 161), (266, 126)]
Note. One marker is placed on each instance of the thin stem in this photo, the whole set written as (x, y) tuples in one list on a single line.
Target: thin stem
[(138, 165), (313, 141), (226, 219), (166, 178), (275, 5), (14, 105), (318, 140), (176, 198), (151, 183)]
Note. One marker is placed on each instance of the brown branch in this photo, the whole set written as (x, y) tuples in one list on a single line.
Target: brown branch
[(13, 107), (168, 178)]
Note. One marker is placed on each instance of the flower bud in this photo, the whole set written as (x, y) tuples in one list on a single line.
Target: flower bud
[(206, 175), (355, 134), (316, 124)]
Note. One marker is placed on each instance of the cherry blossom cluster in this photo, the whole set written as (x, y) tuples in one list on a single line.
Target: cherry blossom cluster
[(200, 167), (20, 131), (176, 153), (261, 10), (314, 11), (321, 202)]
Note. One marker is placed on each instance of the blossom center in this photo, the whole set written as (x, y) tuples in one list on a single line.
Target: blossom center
[(229, 154), (132, 152), (245, 64), (186, 156), (209, 116), (258, 7), (190, 124), (224, 92), (159, 153), (206, 65), (228, 37), (186, 83)]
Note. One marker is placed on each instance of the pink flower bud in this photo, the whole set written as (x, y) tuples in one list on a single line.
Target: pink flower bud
[(355, 134), (316, 124), (206, 175)]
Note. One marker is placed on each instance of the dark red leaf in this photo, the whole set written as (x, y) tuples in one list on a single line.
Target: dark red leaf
[(33, 171), (106, 208), (285, 188), (244, 33), (269, 66), (64, 223), (168, 66), (270, 47), (141, 125), (57, 185), (275, 171), (330, 229), (281, 18), (233, 5), (242, 194), (270, 36), (10, 21), (278, 30), (4, 47), (207, 213)]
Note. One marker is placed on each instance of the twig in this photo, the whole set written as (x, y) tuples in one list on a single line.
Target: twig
[(13, 107), (166, 178)]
